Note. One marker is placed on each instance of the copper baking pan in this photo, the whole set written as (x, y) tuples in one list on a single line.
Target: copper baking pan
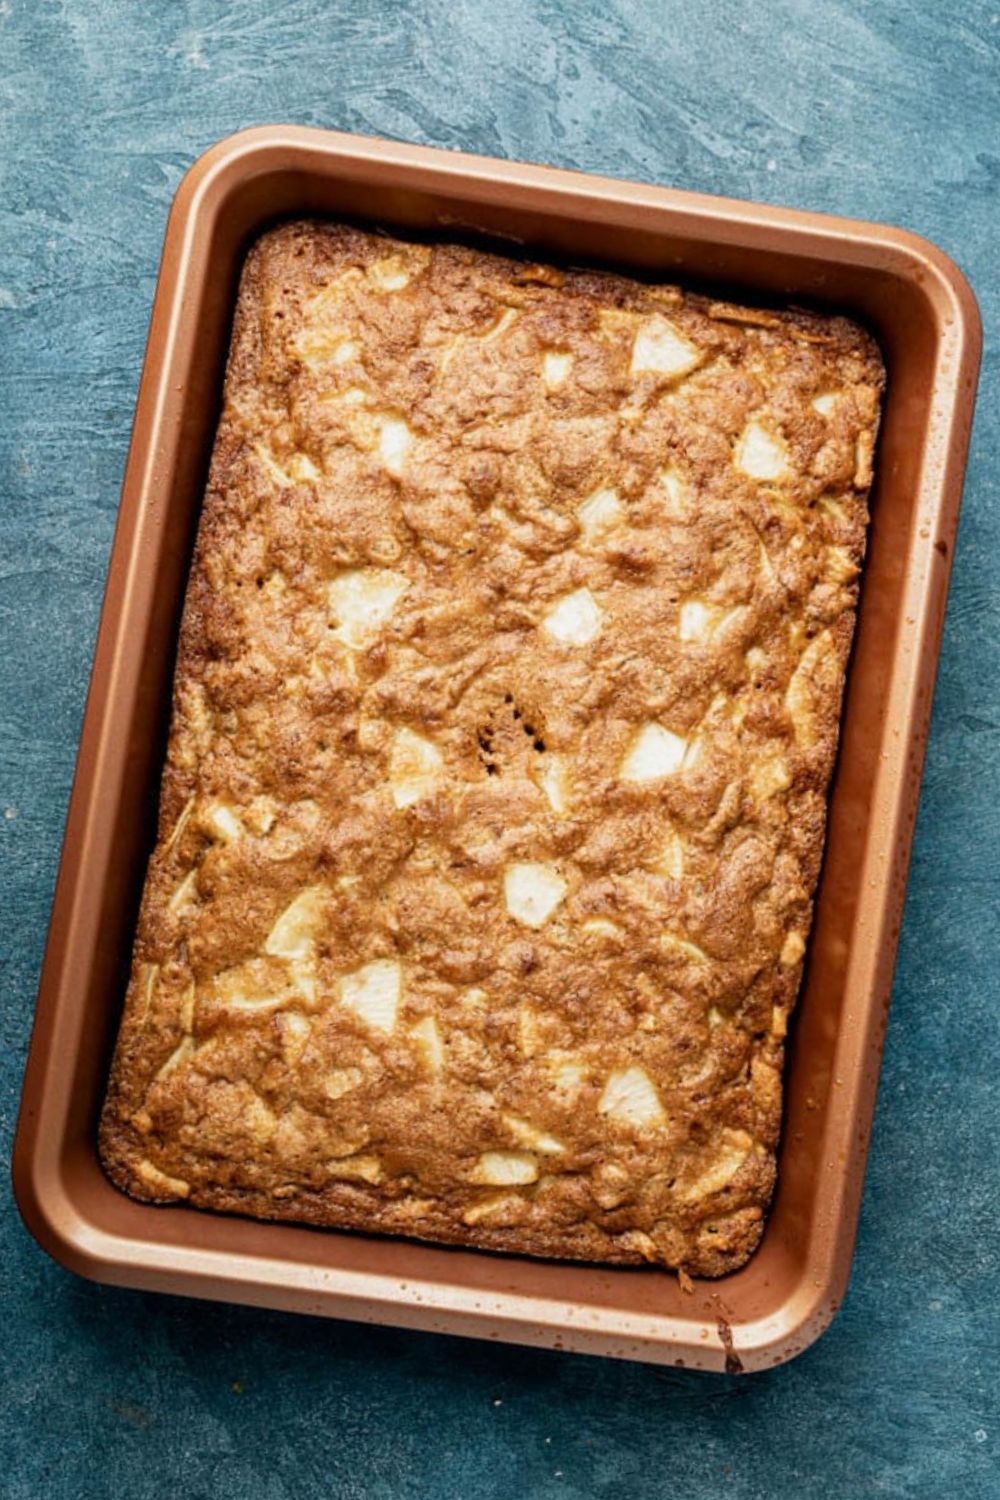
[(926, 320)]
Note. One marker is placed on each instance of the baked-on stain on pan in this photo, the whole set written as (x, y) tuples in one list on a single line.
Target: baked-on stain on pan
[(925, 320)]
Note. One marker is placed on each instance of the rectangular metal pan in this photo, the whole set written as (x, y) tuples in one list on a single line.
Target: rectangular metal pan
[(925, 318)]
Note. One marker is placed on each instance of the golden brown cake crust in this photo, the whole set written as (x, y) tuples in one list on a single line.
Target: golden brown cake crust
[(506, 701)]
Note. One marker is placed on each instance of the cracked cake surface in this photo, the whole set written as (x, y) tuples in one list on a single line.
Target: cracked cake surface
[(506, 700)]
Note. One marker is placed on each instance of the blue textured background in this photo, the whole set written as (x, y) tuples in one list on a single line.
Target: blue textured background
[(888, 109)]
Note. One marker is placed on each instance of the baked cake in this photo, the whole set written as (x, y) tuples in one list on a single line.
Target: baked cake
[(506, 701)]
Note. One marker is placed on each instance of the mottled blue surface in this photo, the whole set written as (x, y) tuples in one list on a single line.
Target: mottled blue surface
[(888, 109)]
